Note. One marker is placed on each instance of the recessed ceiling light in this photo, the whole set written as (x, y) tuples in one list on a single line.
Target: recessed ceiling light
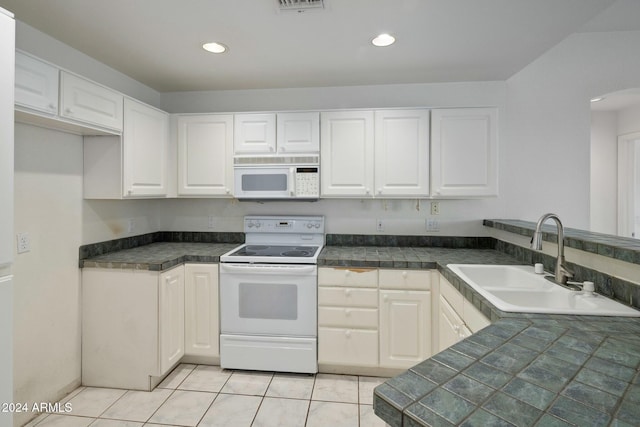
[(600, 98), (214, 47), (383, 40)]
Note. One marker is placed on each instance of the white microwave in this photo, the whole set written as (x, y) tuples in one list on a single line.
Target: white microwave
[(277, 178)]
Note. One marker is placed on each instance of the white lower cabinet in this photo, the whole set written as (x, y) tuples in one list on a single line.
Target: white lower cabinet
[(360, 325), (405, 317), (202, 327), (171, 318), (132, 326), (348, 317), (457, 317)]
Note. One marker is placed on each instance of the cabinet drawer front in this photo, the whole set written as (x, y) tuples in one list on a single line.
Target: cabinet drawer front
[(405, 279), (348, 317), (365, 277), (347, 297), (347, 347)]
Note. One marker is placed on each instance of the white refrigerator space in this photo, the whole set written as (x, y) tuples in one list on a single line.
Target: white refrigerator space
[(7, 73)]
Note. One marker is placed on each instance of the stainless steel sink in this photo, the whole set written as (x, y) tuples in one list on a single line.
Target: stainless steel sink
[(516, 288)]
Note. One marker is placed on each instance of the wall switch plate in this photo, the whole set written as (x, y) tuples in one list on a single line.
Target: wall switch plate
[(24, 243), (379, 225), (432, 225), (435, 208)]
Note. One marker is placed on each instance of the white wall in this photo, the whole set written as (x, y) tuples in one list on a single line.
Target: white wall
[(548, 149), (48, 206), (400, 217), (604, 175), (478, 94)]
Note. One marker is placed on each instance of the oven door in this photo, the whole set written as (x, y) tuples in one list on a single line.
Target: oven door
[(268, 299), (263, 182)]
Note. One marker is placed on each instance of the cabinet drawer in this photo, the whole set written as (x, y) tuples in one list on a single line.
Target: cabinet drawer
[(347, 346), (348, 317), (365, 277), (405, 279), (347, 297)]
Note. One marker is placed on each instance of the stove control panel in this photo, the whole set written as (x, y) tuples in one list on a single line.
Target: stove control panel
[(296, 224)]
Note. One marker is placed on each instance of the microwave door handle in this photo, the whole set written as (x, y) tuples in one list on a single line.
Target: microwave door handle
[(292, 181)]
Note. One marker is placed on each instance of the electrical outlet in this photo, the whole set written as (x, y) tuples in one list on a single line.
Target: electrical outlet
[(211, 222), (432, 225), (435, 208), (130, 225), (24, 243), (379, 225)]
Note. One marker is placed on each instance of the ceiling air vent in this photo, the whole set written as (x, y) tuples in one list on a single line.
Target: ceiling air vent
[(299, 5)]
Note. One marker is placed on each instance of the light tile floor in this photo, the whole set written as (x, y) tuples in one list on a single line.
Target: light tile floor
[(207, 396)]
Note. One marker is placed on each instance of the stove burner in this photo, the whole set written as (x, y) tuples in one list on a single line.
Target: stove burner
[(256, 247), (296, 253)]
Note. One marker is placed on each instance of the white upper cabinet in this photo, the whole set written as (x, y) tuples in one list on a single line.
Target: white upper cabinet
[(298, 133), (89, 102), (145, 150), (205, 155), (281, 133), (401, 153), (464, 150), (254, 134), (347, 153), (36, 84), (135, 164)]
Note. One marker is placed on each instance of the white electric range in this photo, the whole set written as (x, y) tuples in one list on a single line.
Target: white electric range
[(268, 295)]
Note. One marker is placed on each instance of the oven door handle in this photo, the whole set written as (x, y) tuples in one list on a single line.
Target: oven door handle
[(273, 269)]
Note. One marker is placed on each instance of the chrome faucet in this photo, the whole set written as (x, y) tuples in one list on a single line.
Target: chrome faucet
[(562, 273)]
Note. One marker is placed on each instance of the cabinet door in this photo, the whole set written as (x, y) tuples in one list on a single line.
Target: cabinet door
[(298, 133), (347, 154), (254, 133), (355, 347), (405, 328), (464, 149), (171, 318), (89, 102), (145, 149), (205, 155), (36, 84), (402, 153), (202, 329), (449, 325)]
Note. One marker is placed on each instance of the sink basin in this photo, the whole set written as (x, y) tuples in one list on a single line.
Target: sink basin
[(516, 288)]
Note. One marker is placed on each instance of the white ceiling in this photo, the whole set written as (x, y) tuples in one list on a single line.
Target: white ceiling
[(158, 42)]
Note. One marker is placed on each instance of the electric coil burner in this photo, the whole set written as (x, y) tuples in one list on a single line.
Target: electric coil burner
[(268, 295)]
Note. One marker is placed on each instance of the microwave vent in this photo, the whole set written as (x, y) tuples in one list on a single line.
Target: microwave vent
[(299, 5), (276, 160)]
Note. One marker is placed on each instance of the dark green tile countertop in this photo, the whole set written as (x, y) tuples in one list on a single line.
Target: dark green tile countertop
[(159, 256)]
